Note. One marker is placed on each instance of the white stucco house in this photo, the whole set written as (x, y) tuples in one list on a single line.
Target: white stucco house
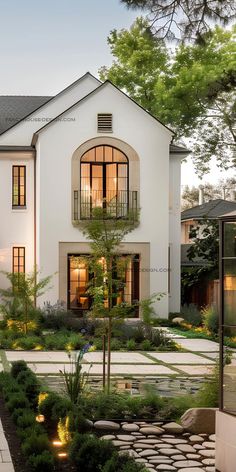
[(61, 156)]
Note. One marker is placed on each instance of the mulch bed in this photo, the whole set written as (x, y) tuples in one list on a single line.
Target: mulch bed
[(14, 444)]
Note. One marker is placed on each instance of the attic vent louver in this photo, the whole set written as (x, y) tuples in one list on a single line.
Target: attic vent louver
[(104, 123)]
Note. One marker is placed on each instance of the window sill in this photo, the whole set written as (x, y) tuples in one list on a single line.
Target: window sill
[(19, 208)]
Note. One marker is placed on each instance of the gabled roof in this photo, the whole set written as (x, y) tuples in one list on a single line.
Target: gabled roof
[(176, 149), (14, 109), (95, 91), (212, 209)]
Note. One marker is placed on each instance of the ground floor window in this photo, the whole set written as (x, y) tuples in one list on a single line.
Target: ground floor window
[(79, 278), (18, 261)]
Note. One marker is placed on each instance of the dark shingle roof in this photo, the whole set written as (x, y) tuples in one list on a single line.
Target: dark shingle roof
[(211, 209), (14, 108), (176, 149)]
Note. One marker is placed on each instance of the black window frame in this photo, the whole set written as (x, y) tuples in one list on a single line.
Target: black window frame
[(18, 205)]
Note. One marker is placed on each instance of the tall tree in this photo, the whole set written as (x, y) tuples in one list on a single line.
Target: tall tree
[(189, 19), (105, 235), (223, 189), (191, 89)]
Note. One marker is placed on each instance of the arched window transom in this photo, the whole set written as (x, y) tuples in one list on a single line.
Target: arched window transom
[(104, 181)]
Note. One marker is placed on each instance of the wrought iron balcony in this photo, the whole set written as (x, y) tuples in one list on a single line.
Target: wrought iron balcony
[(117, 205)]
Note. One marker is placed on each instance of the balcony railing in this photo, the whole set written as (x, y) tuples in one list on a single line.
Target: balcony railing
[(121, 204)]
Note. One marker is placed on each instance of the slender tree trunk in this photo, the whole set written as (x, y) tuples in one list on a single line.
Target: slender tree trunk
[(109, 356), (104, 362)]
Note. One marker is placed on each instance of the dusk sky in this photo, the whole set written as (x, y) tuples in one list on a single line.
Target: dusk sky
[(46, 45)]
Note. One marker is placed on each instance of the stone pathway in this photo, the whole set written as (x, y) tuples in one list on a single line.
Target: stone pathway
[(5, 457), (162, 446)]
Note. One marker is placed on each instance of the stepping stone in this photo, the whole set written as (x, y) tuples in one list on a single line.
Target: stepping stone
[(178, 457), (195, 438), (198, 446), (173, 428), (207, 452), (164, 446), (125, 437), (130, 427), (108, 437), (209, 444), (160, 461), (185, 464), (148, 441), (118, 443), (102, 424), (137, 434), (168, 436), (168, 452), (208, 461), (165, 467), (155, 430), (143, 446), (212, 437), (192, 469), (193, 456), (140, 461), (148, 452), (176, 441), (185, 448)]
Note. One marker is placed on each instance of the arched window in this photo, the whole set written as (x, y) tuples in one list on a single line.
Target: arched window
[(104, 181)]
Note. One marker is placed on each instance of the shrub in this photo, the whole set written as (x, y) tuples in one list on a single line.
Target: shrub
[(210, 319), (131, 345), (27, 342), (116, 345), (122, 463), (17, 400), (89, 453), (36, 429), (17, 367), (54, 407), (191, 314), (26, 419), (97, 342), (29, 382), (41, 462), (208, 395), (35, 444), (146, 345)]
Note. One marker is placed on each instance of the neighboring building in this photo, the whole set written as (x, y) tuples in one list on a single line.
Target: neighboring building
[(90, 145), (206, 292)]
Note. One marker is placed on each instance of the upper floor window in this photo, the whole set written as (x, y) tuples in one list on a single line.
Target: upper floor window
[(19, 186), (104, 181)]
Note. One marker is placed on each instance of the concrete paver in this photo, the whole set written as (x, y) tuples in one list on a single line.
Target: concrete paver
[(119, 357), (195, 369), (199, 345), (180, 358), (149, 369)]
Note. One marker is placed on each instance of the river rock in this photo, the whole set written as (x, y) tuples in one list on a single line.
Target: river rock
[(186, 464), (152, 430), (130, 427), (173, 427), (109, 425), (125, 437), (195, 438), (197, 420), (178, 320), (185, 448)]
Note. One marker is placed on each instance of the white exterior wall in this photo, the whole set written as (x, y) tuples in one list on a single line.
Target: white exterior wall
[(17, 225), (55, 147), (159, 186), (175, 233)]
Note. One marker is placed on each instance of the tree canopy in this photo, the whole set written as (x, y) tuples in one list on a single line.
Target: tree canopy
[(223, 189), (191, 88), (188, 19)]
